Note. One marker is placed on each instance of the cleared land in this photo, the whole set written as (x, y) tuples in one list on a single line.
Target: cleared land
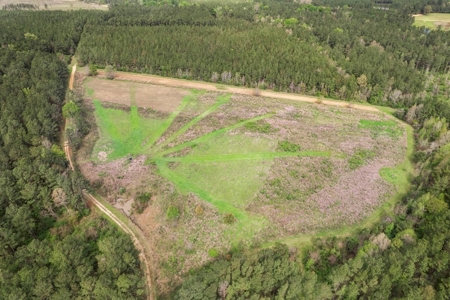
[(223, 169), (433, 21), (191, 84), (57, 4)]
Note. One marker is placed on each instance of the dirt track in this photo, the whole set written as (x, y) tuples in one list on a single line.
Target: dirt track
[(230, 89), (90, 198)]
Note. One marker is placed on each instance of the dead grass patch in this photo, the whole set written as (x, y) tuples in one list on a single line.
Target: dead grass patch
[(159, 98)]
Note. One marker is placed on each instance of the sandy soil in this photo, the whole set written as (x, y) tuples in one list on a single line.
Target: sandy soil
[(159, 98)]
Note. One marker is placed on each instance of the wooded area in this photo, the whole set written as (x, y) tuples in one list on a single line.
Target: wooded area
[(346, 49), (343, 53), (51, 247)]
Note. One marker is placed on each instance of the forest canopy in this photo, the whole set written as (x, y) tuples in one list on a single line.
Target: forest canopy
[(53, 247)]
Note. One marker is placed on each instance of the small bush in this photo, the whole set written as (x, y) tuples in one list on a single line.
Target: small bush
[(229, 219), (360, 158), (287, 146), (213, 252), (110, 72), (260, 126), (198, 210), (70, 109), (141, 201), (172, 213), (92, 70), (143, 197)]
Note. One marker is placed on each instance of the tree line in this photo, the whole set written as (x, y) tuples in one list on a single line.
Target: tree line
[(405, 255), (344, 53), (51, 247)]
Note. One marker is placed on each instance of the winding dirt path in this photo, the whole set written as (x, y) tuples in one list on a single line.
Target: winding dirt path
[(126, 228), (175, 82)]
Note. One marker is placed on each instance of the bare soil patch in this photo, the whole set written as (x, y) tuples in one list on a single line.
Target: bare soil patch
[(173, 82), (57, 4), (159, 98)]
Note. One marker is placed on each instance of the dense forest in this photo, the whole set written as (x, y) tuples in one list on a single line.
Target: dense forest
[(339, 52), (53, 247)]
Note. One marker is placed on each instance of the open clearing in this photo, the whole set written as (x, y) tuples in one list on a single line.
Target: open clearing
[(433, 21), (57, 4), (222, 169)]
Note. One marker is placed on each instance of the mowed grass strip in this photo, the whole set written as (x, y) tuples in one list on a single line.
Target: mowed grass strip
[(245, 225), (123, 132), (159, 131), (242, 156), (210, 135), (220, 101), (231, 181)]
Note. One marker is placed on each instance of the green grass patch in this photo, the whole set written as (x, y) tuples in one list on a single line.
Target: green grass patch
[(287, 146), (432, 21), (219, 102), (260, 126), (122, 133), (388, 127), (158, 131), (172, 213), (228, 177), (213, 253), (246, 224), (210, 135), (89, 92), (360, 158)]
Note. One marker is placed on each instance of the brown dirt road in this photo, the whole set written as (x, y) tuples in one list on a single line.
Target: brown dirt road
[(174, 82), (72, 77), (134, 236)]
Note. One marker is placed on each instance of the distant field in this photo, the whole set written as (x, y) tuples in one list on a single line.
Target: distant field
[(56, 4), (433, 21), (273, 168)]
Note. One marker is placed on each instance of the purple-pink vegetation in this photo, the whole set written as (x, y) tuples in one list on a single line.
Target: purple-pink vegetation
[(311, 193)]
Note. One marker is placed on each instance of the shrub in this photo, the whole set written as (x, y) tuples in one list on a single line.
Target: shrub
[(172, 213), (229, 219), (92, 70), (198, 210), (70, 109), (213, 252), (110, 72), (359, 158), (261, 126), (287, 146), (143, 197)]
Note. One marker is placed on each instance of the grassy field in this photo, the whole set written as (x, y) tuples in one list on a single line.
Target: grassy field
[(433, 21), (226, 169)]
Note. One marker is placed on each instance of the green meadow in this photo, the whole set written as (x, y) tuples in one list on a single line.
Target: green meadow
[(224, 170), (433, 21)]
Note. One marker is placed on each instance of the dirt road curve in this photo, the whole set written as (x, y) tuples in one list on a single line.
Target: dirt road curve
[(230, 89), (142, 256)]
